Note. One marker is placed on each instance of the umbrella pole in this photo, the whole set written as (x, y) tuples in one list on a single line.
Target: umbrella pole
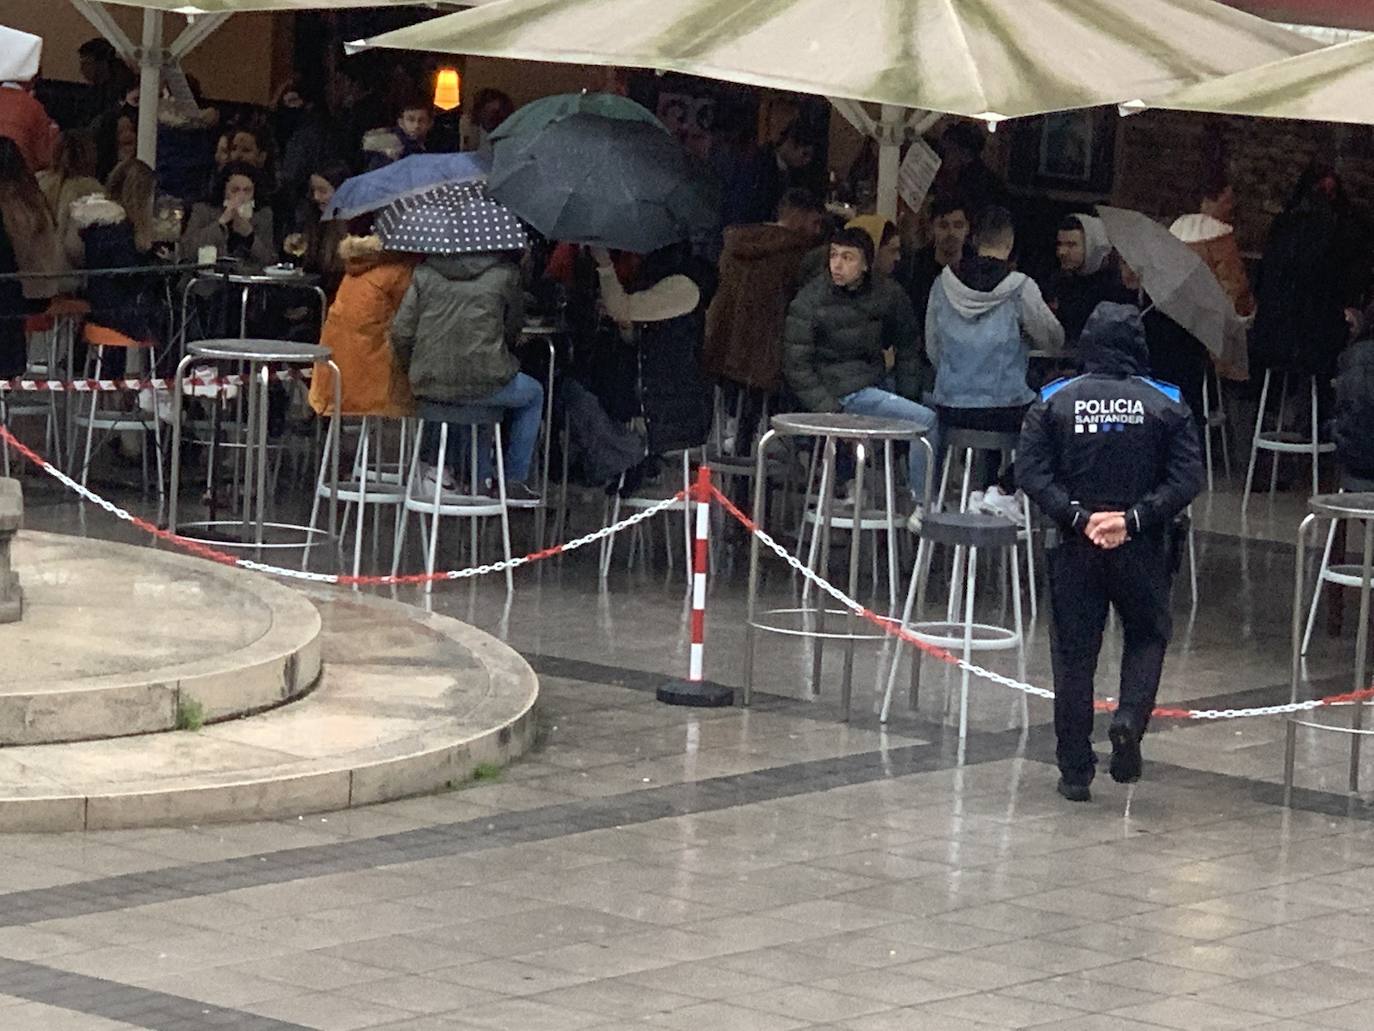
[(149, 86), (891, 129)]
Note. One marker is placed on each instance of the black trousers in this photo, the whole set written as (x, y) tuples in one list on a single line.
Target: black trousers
[(1135, 579)]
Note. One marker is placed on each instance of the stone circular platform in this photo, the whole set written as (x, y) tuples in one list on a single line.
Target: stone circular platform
[(408, 702), (117, 640)]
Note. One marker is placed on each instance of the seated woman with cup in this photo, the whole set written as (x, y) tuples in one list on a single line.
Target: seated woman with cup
[(232, 224)]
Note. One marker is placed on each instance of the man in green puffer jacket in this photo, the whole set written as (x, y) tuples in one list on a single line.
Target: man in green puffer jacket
[(839, 327), (452, 335)]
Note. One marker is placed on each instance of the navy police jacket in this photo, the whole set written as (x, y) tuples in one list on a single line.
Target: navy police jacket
[(1111, 440)]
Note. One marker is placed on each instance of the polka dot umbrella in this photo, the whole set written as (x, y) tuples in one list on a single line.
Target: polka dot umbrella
[(458, 218)]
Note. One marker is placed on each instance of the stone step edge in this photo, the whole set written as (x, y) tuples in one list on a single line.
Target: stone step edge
[(341, 784)]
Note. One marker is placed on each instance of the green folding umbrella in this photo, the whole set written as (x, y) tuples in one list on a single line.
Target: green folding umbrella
[(535, 116)]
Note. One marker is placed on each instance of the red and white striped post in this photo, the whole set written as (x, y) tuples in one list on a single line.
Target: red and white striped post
[(695, 690)]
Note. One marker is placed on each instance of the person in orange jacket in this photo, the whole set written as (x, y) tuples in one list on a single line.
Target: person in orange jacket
[(358, 332)]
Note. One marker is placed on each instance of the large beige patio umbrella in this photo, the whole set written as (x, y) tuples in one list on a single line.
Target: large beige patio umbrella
[(1335, 84), (988, 59), (203, 18)]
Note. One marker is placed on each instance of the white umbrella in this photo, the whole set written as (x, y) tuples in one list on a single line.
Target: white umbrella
[(1179, 282), (19, 55), (989, 59), (1335, 84)]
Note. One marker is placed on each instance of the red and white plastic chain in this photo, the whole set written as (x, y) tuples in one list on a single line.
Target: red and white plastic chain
[(337, 579), (894, 629)]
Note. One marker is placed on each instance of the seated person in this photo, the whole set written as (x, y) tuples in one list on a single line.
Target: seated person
[(231, 221), (1087, 274), (980, 316), (838, 328), (414, 122), (453, 335), (950, 229), (357, 331), (1355, 408)]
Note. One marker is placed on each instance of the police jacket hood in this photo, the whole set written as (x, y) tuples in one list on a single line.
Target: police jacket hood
[(1113, 341), (1113, 439)]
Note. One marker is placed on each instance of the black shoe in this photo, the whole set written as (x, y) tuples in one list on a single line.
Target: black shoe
[(1074, 792), (1126, 762)]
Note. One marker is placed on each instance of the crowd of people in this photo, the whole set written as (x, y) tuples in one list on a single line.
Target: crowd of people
[(787, 307)]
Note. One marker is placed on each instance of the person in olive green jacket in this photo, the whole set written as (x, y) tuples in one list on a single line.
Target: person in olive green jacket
[(453, 334), (839, 327)]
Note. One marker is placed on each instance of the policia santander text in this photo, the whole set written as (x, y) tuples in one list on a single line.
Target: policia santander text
[(1113, 458)]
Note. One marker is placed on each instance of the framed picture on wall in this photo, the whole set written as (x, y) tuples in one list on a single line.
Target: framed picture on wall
[(1071, 151)]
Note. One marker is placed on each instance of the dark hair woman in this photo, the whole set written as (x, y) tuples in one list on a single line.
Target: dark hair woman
[(316, 244), (232, 221)]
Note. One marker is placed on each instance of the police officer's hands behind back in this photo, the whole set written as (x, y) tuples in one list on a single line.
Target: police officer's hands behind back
[(1107, 530)]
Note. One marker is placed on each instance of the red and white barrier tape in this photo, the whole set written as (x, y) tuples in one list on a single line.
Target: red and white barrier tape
[(699, 492), (109, 386), (224, 558), (894, 629)]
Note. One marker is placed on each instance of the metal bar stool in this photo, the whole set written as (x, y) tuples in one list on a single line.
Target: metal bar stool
[(42, 334), (438, 501), (256, 358), (374, 481), (1215, 421), (864, 432), (973, 443), (99, 340), (1356, 508), (1278, 441), (1342, 574), (973, 532), (637, 503)]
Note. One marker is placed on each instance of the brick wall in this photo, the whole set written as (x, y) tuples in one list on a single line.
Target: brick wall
[(1160, 161)]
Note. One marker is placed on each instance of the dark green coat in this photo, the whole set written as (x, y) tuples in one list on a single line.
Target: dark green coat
[(836, 337), (456, 325)]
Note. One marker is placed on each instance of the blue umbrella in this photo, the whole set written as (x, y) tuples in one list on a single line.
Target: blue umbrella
[(404, 178), (585, 178)]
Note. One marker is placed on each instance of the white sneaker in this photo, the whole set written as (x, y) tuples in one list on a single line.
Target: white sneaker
[(975, 502), (429, 479), (917, 517), (1008, 506)]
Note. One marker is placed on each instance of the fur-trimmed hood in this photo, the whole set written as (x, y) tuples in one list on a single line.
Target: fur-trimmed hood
[(361, 253), (96, 210), (383, 141), (173, 114), (1199, 228)]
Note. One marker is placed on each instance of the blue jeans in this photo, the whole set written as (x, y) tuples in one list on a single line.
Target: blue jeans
[(884, 404), (524, 396)]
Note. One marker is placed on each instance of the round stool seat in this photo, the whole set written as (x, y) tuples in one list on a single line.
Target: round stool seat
[(460, 415), (850, 427), (957, 439), (97, 335), (969, 530), (1344, 506), (260, 351)]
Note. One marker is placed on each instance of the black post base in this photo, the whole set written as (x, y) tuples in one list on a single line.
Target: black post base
[(700, 695)]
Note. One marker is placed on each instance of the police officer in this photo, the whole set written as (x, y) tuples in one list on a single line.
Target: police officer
[(1112, 457)]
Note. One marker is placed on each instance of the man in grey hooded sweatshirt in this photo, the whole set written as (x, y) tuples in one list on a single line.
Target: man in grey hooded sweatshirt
[(981, 316)]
